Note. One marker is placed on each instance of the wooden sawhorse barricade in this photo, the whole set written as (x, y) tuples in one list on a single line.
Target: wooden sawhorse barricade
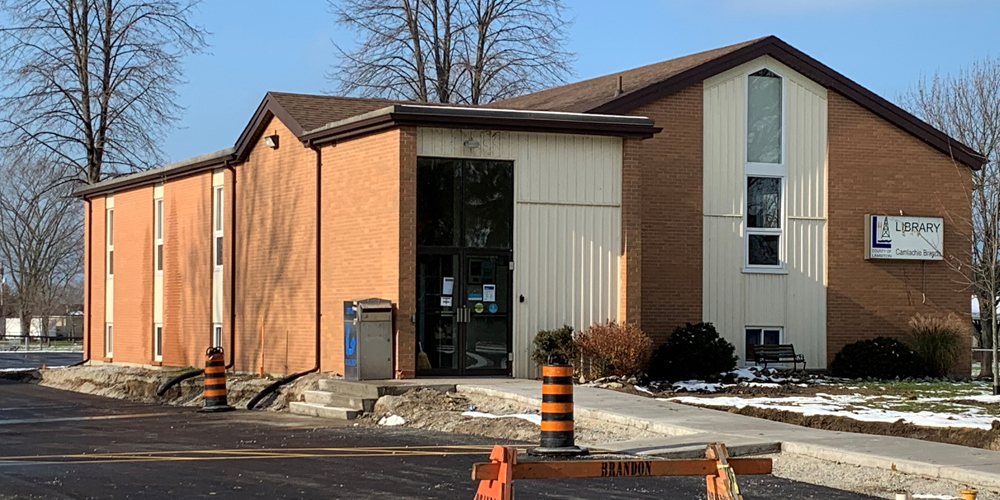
[(496, 479)]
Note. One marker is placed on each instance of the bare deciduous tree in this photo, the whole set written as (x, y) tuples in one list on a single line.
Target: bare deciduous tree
[(91, 82), (41, 238), (452, 51), (967, 107)]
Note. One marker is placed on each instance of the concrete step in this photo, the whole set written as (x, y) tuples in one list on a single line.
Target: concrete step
[(347, 388), (318, 410), (340, 400)]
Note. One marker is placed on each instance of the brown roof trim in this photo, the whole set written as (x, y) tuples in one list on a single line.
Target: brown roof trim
[(155, 175), (268, 108), (482, 118), (813, 69)]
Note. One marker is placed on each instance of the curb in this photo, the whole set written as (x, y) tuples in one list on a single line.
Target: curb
[(953, 473)]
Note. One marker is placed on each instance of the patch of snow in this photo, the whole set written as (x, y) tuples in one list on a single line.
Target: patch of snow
[(698, 386), (392, 420), (764, 384), (850, 406), (643, 389), (530, 417)]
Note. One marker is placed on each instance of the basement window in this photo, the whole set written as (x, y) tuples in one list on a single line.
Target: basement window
[(109, 341), (217, 335), (760, 336)]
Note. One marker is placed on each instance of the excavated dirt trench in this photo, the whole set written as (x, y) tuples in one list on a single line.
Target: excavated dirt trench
[(965, 436)]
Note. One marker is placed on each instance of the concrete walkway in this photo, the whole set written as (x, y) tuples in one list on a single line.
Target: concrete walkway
[(690, 428)]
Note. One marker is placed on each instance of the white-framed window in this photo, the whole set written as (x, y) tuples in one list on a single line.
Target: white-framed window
[(217, 226), (217, 335), (109, 231), (157, 342), (158, 235), (109, 340), (764, 173), (761, 335)]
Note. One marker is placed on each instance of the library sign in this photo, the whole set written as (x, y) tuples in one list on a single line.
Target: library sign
[(904, 238)]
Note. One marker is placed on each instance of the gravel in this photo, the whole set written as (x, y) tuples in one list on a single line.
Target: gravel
[(870, 481)]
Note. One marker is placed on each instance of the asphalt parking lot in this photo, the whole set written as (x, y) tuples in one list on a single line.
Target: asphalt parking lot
[(28, 359), (64, 445)]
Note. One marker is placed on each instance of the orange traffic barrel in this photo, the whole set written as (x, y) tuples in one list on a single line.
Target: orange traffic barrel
[(557, 437), (215, 381)]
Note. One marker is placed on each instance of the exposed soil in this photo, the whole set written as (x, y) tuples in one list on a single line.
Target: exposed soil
[(429, 409), (976, 438), (140, 384)]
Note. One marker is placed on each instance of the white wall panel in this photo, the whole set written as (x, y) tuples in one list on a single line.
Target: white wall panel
[(734, 299), (567, 225)]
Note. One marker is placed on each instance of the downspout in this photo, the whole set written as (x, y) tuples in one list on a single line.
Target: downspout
[(90, 275), (232, 270), (319, 217)]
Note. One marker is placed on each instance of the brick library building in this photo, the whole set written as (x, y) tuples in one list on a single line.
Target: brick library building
[(749, 186)]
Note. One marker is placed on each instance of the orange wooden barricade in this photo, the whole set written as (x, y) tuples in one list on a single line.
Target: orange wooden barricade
[(496, 479)]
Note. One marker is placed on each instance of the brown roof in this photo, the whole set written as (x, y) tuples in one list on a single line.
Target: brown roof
[(314, 111), (586, 95), (655, 81)]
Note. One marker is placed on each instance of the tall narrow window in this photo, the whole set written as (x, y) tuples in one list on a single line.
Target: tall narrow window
[(158, 342), (217, 225), (109, 340), (158, 234), (765, 173), (764, 117), (217, 335), (110, 230)]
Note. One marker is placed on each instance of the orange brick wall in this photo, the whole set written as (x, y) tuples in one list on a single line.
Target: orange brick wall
[(187, 270), (94, 269), (877, 168), (133, 311), (670, 168), (276, 256), (369, 207)]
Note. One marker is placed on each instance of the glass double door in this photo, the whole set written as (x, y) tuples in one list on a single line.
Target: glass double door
[(464, 266)]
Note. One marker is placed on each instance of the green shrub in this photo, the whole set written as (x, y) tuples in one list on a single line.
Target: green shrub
[(614, 348), (937, 340), (880, 358), (693, 352), (559, 341)]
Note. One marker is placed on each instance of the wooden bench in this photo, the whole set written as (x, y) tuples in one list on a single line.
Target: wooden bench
[(780, 353)]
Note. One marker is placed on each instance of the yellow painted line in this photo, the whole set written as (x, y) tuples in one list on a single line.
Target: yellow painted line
[(78, 419), (4, 462), (255, 452), (374, 449)]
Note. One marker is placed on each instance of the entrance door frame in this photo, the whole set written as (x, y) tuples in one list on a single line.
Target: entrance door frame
[(463, 254)]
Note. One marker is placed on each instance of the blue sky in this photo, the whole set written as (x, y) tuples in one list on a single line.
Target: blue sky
[(885, 45)]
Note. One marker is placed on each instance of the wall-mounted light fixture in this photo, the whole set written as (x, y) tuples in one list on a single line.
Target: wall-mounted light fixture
[(271, 141), (471, 143)]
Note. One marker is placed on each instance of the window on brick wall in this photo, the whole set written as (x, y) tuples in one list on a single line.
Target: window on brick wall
[(764, 173), (110, 234), (217, 226), (158, 235), (157, 342), (109, 340)]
